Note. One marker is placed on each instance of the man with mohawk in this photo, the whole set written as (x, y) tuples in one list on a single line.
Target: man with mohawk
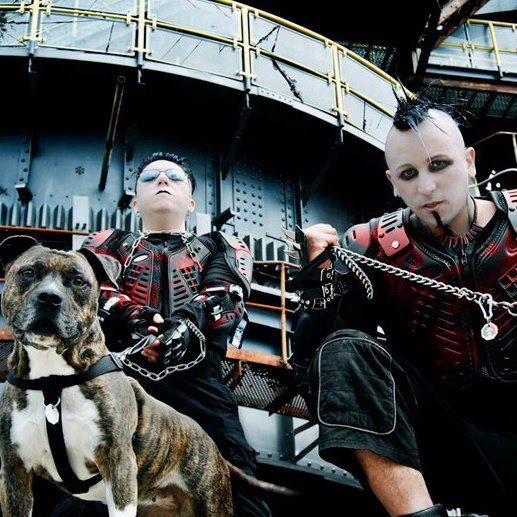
[(427, 413)]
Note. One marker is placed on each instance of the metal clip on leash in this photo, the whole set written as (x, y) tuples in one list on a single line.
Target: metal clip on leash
[(489, 330)]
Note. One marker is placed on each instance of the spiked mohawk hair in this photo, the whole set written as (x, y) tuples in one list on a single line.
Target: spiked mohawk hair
[(413, 109)]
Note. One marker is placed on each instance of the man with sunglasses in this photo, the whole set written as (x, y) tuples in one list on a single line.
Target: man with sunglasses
[(425, 409), (173, 283)]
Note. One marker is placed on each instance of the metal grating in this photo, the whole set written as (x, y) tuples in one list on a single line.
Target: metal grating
[(258, 385), (381, 56), (479, 103)]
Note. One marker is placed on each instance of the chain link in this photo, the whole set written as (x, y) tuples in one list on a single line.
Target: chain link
[(171, 369), (185, 238), (363, 277), (481, 299), (134, 246)]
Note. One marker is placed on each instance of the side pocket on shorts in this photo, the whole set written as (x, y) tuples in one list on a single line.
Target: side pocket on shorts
[(354, 385)]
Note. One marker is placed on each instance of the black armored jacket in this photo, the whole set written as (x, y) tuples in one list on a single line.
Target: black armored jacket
[(175, 273), (437, 331)]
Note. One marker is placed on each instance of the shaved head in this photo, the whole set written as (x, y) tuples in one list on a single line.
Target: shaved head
[(439, 119)]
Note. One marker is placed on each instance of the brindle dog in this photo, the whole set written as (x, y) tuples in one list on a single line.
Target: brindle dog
[(152, 459)]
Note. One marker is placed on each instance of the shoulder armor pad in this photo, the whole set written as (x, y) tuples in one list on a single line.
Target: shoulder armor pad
[(96, 239), (391, 234), (510, 197), (238, 257), (357, 238)]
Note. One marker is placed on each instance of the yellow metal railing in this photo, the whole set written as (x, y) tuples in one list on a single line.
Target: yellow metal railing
[(142, 20), (495, 46)]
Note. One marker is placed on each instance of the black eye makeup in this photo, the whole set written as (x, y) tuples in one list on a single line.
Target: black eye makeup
[(408, 174), (438, 165)]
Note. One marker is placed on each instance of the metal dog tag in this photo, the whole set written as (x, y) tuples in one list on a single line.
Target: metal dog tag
[(52, 413), (489, 331)]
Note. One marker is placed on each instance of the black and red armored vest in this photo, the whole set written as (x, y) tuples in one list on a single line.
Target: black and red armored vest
[(169, 272), (438, 331)]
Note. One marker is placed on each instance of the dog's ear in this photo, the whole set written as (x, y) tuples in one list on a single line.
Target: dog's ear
[(106, 269), (12, 247)]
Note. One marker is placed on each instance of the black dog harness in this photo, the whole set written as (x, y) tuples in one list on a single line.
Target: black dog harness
[(52, 387)]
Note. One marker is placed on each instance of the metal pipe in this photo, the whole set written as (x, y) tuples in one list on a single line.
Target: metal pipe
[(496, 49), (496, 23), (275, 263), (269, 307), (304, 427), (305, 451), (112, 130), (492, 135), (283, 322)]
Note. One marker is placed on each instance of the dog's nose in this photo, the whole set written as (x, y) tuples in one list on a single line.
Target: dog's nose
[(50, 298)]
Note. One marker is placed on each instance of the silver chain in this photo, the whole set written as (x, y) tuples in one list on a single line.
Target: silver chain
[(484, 300), (185, 237), (363, 277), (134, 246), (170, 369)]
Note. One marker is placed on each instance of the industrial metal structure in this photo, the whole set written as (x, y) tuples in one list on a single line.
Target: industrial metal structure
[(283, 126)]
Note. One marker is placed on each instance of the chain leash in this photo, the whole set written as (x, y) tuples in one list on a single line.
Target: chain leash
[(485, 301), (171, 369)]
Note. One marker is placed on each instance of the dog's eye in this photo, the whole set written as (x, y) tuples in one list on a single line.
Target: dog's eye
[(78, 281), (28, 273)]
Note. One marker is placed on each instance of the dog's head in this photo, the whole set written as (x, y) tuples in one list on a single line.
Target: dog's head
[(50, 297)]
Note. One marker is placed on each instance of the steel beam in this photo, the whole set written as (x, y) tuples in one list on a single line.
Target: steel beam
[(112, 130)]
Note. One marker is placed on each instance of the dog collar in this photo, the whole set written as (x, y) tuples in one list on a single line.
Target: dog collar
[(106, 364), (52, 387)]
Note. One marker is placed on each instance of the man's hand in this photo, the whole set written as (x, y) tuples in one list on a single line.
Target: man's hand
[(319, 237), (150, 352), (170, 346)]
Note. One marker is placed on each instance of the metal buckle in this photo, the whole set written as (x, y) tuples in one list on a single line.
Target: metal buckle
[(116, 359)]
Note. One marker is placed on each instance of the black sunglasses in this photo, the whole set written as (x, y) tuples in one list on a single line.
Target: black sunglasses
[(148, 175)]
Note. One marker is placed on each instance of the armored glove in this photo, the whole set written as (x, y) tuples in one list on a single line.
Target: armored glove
[(176, 335), (175, 340), (136, 331), (139, 320), (127, 326)]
